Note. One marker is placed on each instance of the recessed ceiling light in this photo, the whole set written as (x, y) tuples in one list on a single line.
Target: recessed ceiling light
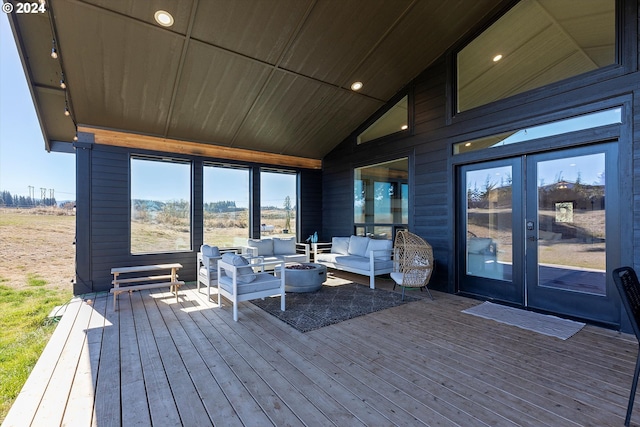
[(163, 18), (468, 144), (497, 58), (404, 127), (356, 86)]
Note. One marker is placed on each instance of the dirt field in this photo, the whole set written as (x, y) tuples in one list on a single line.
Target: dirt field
[(37, 242)]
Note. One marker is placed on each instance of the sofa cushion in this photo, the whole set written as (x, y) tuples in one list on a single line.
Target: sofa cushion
[(262, 283), (210, 251), (245, 274), (294, 258), (358, 245), (380, 245), (361, 263), (284, 246), (340, 245), (325, 257), (213, 273), (264, 246)]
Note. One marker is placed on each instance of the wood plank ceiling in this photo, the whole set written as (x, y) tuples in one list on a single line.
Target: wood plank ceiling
[(266, 75)]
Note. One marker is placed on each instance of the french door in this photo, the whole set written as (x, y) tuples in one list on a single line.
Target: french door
[(533, 231)]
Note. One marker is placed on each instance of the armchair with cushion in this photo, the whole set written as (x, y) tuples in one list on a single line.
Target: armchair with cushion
[(207, 265), (239, 280)]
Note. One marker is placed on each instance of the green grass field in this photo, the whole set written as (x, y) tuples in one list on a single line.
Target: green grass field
[(36, 259), (24, 331)]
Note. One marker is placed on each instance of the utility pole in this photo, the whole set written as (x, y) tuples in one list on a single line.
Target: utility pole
[(43, 194)]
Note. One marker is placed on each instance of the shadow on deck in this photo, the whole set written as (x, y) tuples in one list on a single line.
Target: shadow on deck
[(158, 362)]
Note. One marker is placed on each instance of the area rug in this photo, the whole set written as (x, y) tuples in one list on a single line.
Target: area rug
[(541, 323), (331, 304)]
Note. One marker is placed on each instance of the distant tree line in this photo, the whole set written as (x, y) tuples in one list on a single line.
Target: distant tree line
[(222, 206), (10, 201)]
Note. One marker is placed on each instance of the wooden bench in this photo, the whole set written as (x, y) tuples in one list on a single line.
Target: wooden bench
[(140, 282)]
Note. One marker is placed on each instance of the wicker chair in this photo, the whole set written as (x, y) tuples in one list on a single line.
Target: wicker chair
[(413, 262)]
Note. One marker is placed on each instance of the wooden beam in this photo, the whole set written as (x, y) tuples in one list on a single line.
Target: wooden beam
[(145, 142)]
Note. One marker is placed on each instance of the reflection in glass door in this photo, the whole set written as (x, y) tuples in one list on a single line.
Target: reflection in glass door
[(533, 231), (568, 194), (490, 210), (571, 224)]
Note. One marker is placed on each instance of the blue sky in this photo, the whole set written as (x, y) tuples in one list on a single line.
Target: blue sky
[(24, 161)]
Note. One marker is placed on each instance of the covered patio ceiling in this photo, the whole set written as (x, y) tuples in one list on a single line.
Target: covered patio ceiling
[(270, 76)]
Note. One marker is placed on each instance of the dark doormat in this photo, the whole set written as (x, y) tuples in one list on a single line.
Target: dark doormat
[(329, 305)]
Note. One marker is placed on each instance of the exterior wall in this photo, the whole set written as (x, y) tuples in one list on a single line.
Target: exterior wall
[(103, 216), (432, 168)]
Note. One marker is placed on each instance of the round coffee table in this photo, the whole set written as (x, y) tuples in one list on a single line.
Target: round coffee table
[(303, 277)]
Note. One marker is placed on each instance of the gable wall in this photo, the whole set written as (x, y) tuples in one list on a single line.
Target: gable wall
[(432, 169)]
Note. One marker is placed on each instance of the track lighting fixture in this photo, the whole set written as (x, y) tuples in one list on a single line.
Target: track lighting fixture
[(54, 51), (63, 84), (66, 109)]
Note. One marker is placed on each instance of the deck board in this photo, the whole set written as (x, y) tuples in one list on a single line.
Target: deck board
[(162, 407), (30, 397), (166, 330), (161, 362)]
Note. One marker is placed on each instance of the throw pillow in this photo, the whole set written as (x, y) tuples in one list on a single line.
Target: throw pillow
[(245, 274), (340, 245), (284, 246), (358, 245), (210, 251), (378, 245), (264, 246)]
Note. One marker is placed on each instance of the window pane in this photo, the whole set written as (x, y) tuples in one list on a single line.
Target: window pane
[(536, 43), (394, 120), (572, 224), (586, 121), (160, 206), (489, 218), (278, 203), (381, 197), (226, 206)]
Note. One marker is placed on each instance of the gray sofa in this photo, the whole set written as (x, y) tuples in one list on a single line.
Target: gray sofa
[(275, 249), (356, 254)]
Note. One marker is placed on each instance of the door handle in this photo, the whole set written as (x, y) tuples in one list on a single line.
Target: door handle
[(532, 238)]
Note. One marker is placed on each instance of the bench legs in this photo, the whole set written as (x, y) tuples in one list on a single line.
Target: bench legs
[(173, 287)]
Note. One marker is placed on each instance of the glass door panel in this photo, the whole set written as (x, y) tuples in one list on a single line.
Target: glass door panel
[(489, 217), (490, 222), (566, 232), (571, 224)]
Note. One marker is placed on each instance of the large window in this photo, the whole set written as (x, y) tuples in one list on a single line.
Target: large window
[(536, 43), (278, 203), (381, 198), (226, 205), (160, 206)]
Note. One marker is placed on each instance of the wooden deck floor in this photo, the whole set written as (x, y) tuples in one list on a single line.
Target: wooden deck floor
[(158, 362)]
